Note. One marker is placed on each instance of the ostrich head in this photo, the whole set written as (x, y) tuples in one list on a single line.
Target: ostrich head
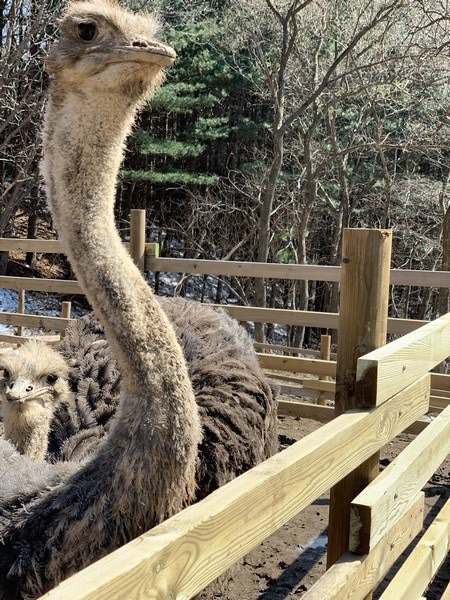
[(105, 48), (34, 383)]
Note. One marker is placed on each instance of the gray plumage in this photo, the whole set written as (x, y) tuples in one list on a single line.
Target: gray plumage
[(57, 518)]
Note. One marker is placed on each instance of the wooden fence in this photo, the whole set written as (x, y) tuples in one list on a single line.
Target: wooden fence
[(181, 556)]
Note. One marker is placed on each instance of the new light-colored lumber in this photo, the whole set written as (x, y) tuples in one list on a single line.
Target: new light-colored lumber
[(402, 361), (353, 577), (181, 556), (297, 365), (325, 414), (363, 309), (386, 497), (34, 321), (424, 561)]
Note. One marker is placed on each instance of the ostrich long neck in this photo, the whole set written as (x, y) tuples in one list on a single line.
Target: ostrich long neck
[(83, 149)]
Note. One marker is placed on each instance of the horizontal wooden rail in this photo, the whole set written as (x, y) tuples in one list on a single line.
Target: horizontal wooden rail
[(283, 271), (35, 321), (424, 561), (313, 366), (403, 361), (54, 246), (34, 284), (185, 553), (354, 577), (386, 497)]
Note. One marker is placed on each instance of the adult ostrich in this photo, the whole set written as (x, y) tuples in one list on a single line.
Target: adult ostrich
[(57, 518)]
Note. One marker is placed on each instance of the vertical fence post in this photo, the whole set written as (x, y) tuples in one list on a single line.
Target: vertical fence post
[(20, 309), (137, 237), (325, 354), (66, 309), (363, 311)]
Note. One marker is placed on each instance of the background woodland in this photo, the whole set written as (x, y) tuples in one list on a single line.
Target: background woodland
[(281, 123)]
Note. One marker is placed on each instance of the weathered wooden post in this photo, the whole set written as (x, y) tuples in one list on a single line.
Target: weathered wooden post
[(66, 310), (20, 309), (366, 255), (325, 354), (137, 237)]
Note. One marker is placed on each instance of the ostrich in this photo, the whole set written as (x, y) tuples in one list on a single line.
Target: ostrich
[(34, 383), (57, 518), (46, 414)]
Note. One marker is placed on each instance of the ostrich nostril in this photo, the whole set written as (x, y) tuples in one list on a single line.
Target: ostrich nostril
[(29, 388), (140, 44)]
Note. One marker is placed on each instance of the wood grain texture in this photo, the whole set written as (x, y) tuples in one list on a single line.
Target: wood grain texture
[(403, 360), (387, 496), (424, 561), (353, 577), (182, 555)]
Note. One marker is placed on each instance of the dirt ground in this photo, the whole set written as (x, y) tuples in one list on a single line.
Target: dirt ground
[(288, 563)]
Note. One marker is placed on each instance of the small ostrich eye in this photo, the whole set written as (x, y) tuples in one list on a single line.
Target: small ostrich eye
[(87, 31), (6, 374), (52, 378)]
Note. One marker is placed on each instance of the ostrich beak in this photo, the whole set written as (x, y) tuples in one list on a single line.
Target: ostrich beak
[(22, 390), (141, 50)]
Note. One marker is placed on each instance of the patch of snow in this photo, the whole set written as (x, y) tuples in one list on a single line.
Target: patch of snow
[(321, 541)]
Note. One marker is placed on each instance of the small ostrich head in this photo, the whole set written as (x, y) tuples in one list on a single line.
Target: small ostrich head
[(35, 381), (108, 49)]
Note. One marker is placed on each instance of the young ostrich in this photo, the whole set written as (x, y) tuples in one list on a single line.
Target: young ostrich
[(34, 383), (45, 415), (57, 518)]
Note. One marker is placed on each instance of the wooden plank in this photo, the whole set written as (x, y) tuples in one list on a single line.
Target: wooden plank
[(363, 310), (395, 366), (281, 315), (420, 278), (54, 246), (325, 414), (182, 555), (137, 237), (303, 392), (305, 410), (424, 561), (387, 496), (438, 402), (297, 365), (243, 269), (34, 321), (59, 286), (26, 245), (353, 577), (440, 381), (21, 339), (282, 271)]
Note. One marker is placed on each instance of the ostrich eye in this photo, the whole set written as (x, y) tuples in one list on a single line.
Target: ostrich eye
[(87, 31), (6, 374), (52, 378)]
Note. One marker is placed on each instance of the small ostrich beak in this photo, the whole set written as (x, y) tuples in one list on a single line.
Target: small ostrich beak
[(21, 390)]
